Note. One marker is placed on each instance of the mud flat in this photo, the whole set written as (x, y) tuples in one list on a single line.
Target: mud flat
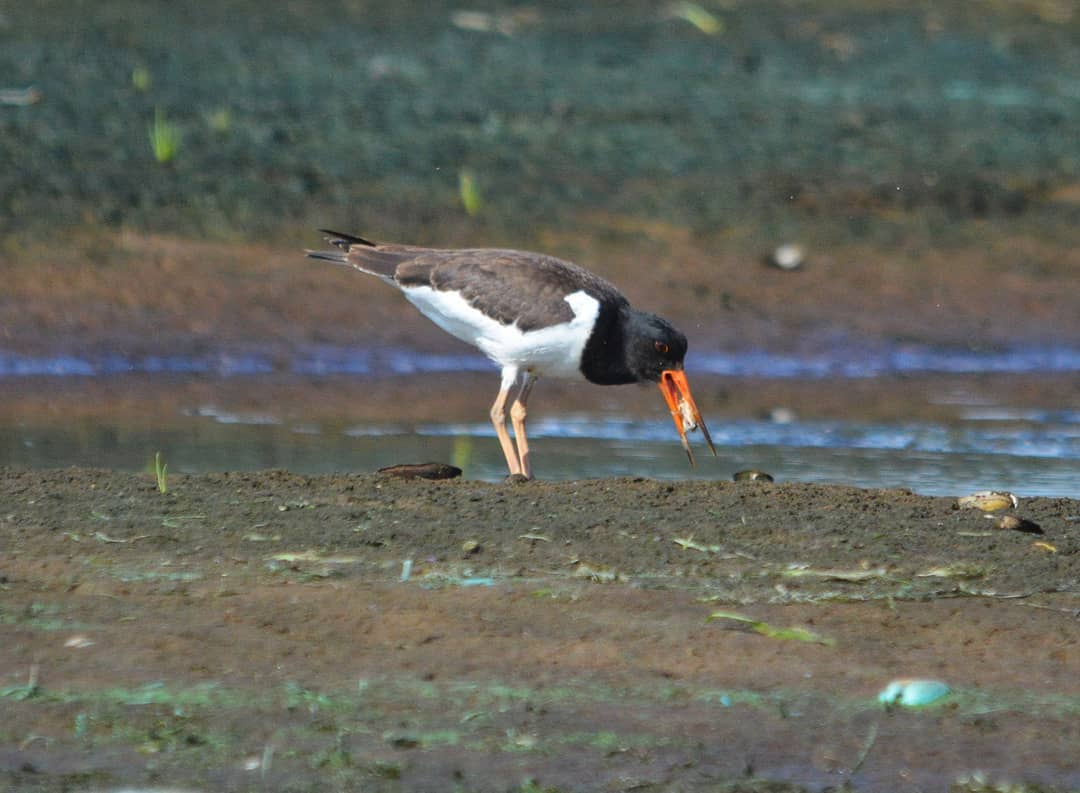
[(279, 632)]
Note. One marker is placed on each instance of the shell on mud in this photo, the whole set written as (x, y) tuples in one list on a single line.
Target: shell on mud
[(988, 501), (470, 546), (600, 573), (1013, 523), (782, 415), (910, 693), (752, 475), (421, 471), (787, 257)]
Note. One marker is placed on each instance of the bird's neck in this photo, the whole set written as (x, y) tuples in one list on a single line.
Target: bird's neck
[(603, 361)]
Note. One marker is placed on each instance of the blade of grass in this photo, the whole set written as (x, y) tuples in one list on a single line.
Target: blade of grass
[(161, 471), (164, 138), (772, 631)]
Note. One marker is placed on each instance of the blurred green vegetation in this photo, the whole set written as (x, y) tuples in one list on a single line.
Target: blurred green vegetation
[(363, 115), (164, 138)]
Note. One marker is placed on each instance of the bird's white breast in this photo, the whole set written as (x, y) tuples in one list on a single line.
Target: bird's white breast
[(553, 351)]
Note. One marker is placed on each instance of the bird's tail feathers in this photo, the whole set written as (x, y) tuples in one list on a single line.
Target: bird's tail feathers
[(345, 241), (337, 257), (364, 255)]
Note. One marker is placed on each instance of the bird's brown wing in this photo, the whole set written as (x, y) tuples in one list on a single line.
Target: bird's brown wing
[(510, 286)]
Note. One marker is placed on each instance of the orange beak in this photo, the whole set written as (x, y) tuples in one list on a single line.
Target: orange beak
[(676, 391)]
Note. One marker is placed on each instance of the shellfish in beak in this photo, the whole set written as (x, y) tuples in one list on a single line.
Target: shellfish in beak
[(687, 417)]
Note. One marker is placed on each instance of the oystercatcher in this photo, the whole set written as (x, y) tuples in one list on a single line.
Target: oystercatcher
[(535, 316)]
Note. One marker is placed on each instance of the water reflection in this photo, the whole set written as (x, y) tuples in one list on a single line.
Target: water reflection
[(930, 459)]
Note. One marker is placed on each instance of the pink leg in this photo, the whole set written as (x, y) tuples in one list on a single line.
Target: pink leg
[(498, 420), (517, 418)]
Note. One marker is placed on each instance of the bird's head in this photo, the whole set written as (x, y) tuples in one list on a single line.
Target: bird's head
[(654, 345), (655, 352)]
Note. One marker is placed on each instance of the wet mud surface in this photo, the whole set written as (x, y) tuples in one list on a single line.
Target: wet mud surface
[(270, 631)]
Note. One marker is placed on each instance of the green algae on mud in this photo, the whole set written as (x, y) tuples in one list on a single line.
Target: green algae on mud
[(271, 642)]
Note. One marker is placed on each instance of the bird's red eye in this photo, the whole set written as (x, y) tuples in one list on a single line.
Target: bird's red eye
[(661, 347)]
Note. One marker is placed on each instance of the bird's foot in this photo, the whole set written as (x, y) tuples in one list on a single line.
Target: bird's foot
[(514, 479)]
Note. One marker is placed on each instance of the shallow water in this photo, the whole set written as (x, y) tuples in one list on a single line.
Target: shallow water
[(1037, 453), (1031, 450)]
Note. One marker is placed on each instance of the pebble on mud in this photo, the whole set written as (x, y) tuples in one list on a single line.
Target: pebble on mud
[(1013, 523), (471, 546)]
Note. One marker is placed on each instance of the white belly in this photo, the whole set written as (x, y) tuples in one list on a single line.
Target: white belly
[(547, 352)]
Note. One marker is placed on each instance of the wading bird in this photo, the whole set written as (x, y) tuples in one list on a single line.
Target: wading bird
[(535, 316)]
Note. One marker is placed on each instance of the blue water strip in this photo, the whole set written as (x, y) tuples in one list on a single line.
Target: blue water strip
[(845, 361)]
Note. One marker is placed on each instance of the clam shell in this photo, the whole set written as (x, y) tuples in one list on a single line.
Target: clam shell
[(752, 475), (988, 501), (910, 693), (687, 414), (788, 256)]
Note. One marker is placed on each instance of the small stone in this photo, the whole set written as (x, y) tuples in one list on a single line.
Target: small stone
[(1013, 523), (471, 546)]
